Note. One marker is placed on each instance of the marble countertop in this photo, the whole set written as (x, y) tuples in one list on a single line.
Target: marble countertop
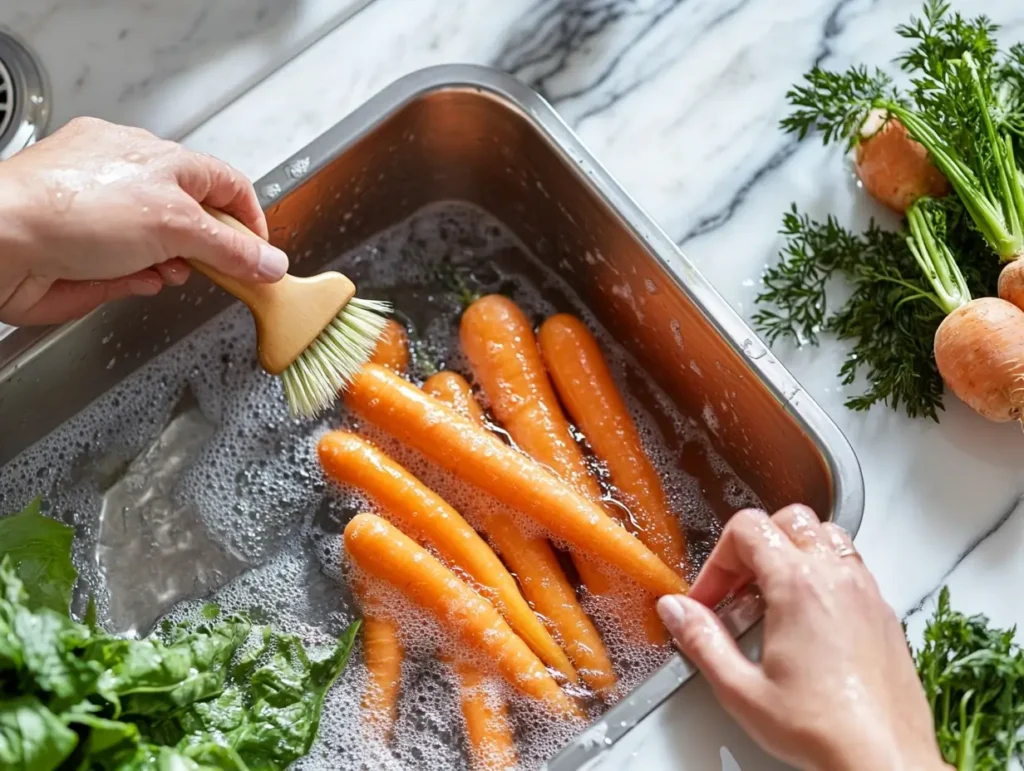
[(163, 65), (680, 100)]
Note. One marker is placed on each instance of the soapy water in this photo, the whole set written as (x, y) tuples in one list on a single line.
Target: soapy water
[(189, 482)]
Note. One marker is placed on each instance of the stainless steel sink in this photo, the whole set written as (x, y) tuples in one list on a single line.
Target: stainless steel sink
[(473, 134)]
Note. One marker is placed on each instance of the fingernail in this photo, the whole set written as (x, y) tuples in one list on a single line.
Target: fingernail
[(672, 612), (273, 263)]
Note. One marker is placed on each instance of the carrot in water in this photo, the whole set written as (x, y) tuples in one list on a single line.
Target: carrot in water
[(488, 727), (583, 381), (392, 349), (381, 550), (478, 457), (349, 459), (452, 389), (535, 563), (499, 343), (383, 653)]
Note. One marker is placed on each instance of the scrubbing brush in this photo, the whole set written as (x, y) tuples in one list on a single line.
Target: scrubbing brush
[(313, 332)]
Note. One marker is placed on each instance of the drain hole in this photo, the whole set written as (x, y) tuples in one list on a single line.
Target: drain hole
[(24, 103), (6, 98)]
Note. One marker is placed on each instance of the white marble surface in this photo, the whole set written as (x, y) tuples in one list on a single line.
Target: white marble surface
[(165, 65), (680, 100)]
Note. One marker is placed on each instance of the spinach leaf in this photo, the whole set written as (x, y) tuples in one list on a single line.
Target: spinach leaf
[(274, 720), (152, 678), (40, 550), (31, 737), (51, 646)]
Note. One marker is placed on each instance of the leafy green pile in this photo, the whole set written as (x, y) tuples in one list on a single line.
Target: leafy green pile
[(73, 697), (965, 104), (973, 676)]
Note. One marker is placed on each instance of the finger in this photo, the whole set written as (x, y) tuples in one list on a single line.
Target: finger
[(837, 540), (69, 300), (703, 639), (173, 272), (192, 233), (752, 548), (215, 183), (801, 525)]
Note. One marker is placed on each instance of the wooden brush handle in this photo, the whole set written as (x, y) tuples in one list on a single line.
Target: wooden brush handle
[(290, 313), (252, 294)]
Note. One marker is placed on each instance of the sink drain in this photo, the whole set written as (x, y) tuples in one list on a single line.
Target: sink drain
[(24, 103)]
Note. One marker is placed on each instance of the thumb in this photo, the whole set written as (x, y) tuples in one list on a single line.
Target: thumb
[(703, 639), (244, 256)]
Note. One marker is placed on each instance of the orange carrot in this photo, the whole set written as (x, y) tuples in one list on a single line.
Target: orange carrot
[(478, 457), (383, 653), (452, 389), (349, 459), (488, 728), (382, 551), (499, 343), (895, 169), (585, 384), (392, 349), (535, 564), (979, 350)]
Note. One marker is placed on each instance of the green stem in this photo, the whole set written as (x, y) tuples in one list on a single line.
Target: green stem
[(1009, 197), (935, 259), (988, 218)]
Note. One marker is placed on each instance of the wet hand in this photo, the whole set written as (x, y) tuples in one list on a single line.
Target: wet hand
[(836, 688), (97, 212)]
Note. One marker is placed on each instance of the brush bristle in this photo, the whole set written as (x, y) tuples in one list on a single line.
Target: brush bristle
[(327, 366)]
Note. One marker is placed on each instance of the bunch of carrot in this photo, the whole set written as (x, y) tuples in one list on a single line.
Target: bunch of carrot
[(532, 628)]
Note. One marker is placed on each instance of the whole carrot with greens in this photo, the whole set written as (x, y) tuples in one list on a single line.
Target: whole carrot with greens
[(349, 459), (478, 457), (534, 563), (584, 382), (911, 315), (384, 552)]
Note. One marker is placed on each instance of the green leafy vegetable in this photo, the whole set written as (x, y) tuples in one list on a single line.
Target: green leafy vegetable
[(965, 104), (31, 737), (40, 550), (274, 720), (973, 676), (188, 699)]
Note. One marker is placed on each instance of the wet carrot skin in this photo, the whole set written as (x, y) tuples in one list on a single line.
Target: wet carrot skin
[(536, 565), (392, 349), (488, 726), (454, 390), (583, 381), (350, 459), (498, 340), (384, 552), (481, 459)]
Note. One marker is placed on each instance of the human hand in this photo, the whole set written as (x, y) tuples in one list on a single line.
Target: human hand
[(836, 688), (97, 212)]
